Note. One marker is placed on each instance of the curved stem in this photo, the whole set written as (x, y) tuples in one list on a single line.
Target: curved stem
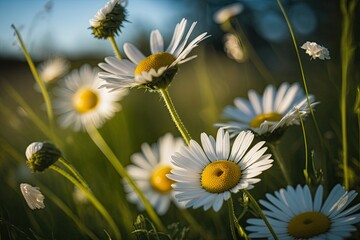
[(74, 171), (101, 144), (234, 223), (175, 117), (115, 47), (262, 215), (306, 170), (92, 199), (38, 80), (301, 70), (277, 157)]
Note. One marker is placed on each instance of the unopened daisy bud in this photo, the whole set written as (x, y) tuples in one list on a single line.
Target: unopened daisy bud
[(33, 196), (41, 155), (108, 20)]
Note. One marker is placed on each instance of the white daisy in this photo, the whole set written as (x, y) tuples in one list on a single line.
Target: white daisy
[(33, 196), (155, 71), (316, 51), (294, 214), (234, 48), (52, 69), (224, 13), (81, 101), (206, 176), (149, 171), (108, 20), (41, 155), (275, 110)]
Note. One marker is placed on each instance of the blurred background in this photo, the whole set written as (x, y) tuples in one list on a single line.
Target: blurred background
[(200, 91)]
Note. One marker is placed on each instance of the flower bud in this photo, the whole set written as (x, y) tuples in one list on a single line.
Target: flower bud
[(41, 155)]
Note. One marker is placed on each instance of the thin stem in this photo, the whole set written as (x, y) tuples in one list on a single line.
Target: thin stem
[(262, 215), (38, 80), (306, 170), (347, 54), (301, 70), (102, 145), (92, 199), (234, 223), (74, 171), (277, 157), (115, 47), (175, 117)]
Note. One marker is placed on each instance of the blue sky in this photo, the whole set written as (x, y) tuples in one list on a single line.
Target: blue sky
[(64, 30)]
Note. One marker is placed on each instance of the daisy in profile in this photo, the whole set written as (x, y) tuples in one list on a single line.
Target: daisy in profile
[(294, 214), (33, 196), (149, 169), (270, 113), (81, 101), (109, 19), (225, 13), (207, 175), (53, 69), (155, 71), (315, 50)]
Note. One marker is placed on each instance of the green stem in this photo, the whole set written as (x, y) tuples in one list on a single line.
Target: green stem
[(306, 170), (262, 215), (92, 199), (38, 80), (175, 117), (74, 171), (277, 157), (101, 144), (69, 213), (301, 70), (234, 223), (347, 54), (115, 47)]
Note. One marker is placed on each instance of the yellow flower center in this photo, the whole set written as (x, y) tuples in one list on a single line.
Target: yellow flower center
[(160, 182), (85, 100), (308, 224), (220, 176), (259, 119), (154, 61)]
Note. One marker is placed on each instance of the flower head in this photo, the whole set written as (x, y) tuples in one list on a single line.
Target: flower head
[(270, 114), (233, 48), (207, 175), (294, 214), (224, 13), (81, 101), (41, 155), (33, 196), (155, 71), (53, 69), (316, 51), (149, 171), (108, 20)]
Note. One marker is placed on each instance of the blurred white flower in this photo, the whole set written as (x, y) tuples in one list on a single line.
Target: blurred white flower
[(233, 48), (79, 196), (315, 50), (53, 69), (223, 14), (33, 196), (81, 101)]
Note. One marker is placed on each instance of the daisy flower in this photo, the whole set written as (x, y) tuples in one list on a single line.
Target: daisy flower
[(149, 169), (53, 69), (315, 50), (109, 19), (41, 155), (294, 214), (274, 111), (155, 71), (207, 175), (234, 48), (224, 13), (81, 101), (33, 196)]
